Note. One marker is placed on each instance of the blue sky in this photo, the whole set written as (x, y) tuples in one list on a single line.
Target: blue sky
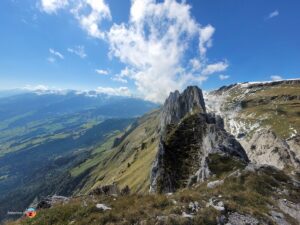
[(146, 47)]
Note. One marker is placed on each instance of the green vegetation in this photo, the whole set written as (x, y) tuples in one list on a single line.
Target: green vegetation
[(108, 164), (222, 164), (251, 193), (276, 107)]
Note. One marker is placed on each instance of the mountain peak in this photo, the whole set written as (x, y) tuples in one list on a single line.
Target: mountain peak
[(178, 105)]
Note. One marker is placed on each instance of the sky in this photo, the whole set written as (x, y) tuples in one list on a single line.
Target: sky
[(146, 48)]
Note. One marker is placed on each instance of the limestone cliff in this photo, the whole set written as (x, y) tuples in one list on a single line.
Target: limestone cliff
[(188, 136)]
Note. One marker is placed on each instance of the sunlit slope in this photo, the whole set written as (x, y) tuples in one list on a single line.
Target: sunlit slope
[(125, 159), (252, 106)]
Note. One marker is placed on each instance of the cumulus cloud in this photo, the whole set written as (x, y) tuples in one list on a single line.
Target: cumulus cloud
[(102, 72), (276, 78), (162, 45), (205, 40), (121, 91), (51, 6), (224, 77), (89, 13), (97, 11), (79, 51), (215, 68), (273, 14), (154, 43), (56, 54)]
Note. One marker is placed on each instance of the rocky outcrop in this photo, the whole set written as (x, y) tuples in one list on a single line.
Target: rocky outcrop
[(48, 202), (188, 136), (240, 219), (294, 144), (178, 105), (290, 208), (265, 147)]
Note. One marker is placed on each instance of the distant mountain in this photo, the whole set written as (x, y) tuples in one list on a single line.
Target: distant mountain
[(40, 105), (44, 135)]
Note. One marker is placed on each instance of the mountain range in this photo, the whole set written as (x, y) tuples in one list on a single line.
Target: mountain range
[(229, 156)]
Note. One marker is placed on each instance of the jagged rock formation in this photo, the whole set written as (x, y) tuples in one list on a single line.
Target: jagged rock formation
[(188, 136), (178, 105), (265, 147)]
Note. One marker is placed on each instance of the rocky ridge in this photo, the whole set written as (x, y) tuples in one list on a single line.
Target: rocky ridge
[(188, 136), (264, 117)]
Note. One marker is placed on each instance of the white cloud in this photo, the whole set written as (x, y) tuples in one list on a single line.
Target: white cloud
[(89, 13), (119, 79), (273, 14), (121, 91), (39, 87), (205, 40), (78, 50), (56, 53), (102, 72), (196, 64), (276, 78), (224, 77), (51, 6), (154, 43), (215, 68), (97, 11)]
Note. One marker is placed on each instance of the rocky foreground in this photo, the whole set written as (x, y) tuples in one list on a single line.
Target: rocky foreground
[(237, 194)]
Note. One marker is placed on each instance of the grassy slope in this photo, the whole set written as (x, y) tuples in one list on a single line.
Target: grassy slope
[(251, 193), (269, 106), (128, 163)]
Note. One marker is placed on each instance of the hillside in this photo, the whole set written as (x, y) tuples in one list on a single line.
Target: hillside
[(43, 136), (264, 117), (125, 159), (198, 167)]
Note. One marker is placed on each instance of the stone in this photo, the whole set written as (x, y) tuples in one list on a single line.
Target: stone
[(240, 219), (186, 215), (265, 147), (278, 218), (290, 208), (194, 206), (102, 207), (216, 203), (49, 201), (215, 183)]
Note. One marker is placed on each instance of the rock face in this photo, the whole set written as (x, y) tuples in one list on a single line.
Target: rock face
[(265, 147), (178, 105), (188, 136), (50, 201), (264, 117)]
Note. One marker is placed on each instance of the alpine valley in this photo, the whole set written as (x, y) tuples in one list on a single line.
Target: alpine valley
[(229, 156)]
